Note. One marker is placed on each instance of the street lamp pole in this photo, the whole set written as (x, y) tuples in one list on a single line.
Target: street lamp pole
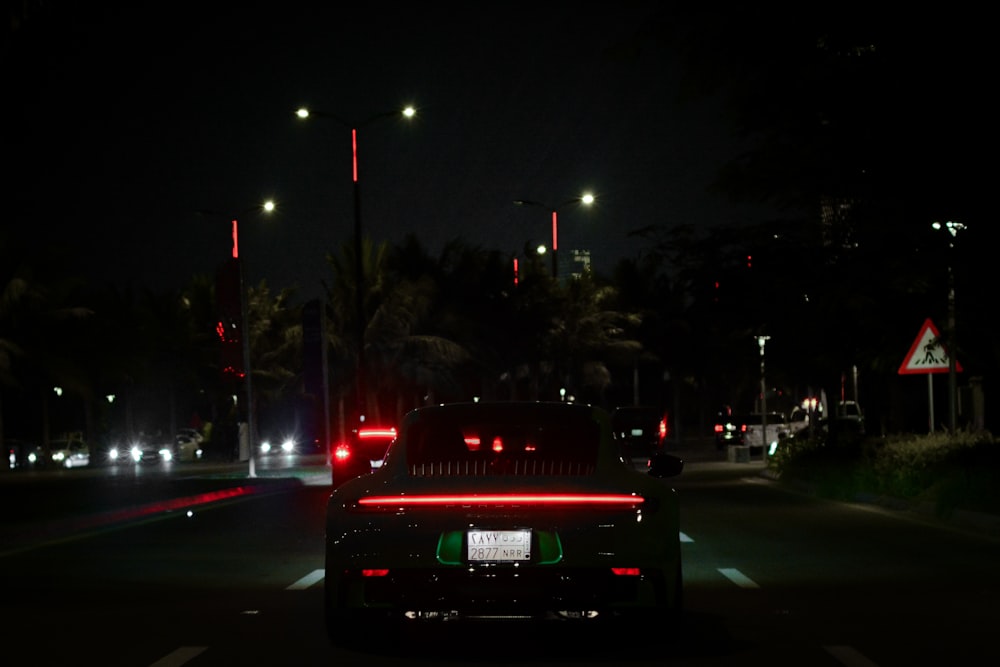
[(245, 329), (953, 228), (761, 342), (359, 273), (267, 207), (586, 199)]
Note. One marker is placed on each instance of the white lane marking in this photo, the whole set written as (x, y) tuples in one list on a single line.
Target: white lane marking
[(307, 581), (685, 538), (179, 657), (847, 655), (738, 578)]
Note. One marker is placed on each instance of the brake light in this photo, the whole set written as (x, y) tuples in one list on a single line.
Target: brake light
[(626, 571), (376, 433), (381, 572), (663, 428), (342, 453), (718, 428), (547, 499)]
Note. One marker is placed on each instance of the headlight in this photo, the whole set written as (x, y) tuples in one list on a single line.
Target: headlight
[(113, 453), (166, 454), (58, 456), (288, 446), (136, 453)]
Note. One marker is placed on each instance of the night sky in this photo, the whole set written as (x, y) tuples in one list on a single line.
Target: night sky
[(135, 120), (130, 118)]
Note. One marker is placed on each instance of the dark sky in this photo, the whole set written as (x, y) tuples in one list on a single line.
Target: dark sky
[(136, 118)]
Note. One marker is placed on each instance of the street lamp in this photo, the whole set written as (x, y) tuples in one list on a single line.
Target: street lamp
[(359, 276), (761, 342), (586, 199), (953, 228), (266, 207)]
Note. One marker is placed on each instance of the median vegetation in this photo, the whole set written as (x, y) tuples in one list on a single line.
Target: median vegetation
[(946, 471)]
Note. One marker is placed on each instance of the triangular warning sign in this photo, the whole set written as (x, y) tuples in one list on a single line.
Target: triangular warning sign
[(927, 354)]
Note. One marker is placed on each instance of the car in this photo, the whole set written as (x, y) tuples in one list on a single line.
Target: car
[(728, 430), (642, 430), (280, 445), (69, 453), (518, 510), (361, 453), (850, 411), (186, 447), (778, 428)]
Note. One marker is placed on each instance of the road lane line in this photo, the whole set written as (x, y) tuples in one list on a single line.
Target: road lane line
[(307, 581), (738, 578), (179, 657), (848, 656)]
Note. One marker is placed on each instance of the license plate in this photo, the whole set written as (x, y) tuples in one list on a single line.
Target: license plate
[(499, 546)]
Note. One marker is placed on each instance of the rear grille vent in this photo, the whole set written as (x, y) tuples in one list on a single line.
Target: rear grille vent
[(508, 467)]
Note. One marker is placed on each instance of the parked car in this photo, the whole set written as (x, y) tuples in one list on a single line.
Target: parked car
[(522, 510), (850, 411), (642, 430), (777, 428), (362, 452)]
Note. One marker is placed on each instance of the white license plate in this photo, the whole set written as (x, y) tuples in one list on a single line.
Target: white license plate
[(499, 546)]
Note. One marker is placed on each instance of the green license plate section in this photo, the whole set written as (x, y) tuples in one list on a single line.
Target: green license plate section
[(498, 546)]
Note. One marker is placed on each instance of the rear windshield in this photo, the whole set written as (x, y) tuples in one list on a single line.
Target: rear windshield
[(537, 447)]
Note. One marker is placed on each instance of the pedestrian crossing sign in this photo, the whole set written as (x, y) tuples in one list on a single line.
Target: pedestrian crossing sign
[(927, 354)]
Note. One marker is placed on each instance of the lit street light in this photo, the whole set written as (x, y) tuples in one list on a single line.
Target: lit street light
[(953, 228), (761, 342), (586, 199), (359, 276), (266, 207)]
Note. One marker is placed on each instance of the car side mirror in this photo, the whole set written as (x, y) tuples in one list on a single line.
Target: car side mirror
[(665, 465)]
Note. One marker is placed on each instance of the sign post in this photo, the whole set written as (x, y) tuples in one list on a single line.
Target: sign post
[(928, 356)]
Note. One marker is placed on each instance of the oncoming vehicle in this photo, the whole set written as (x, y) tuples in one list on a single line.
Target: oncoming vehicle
[(69, 453), (361, 453), (520, 510)]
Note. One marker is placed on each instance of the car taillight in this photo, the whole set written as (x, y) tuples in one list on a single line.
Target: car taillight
[(377, 433), (342, 453), (519, 499), (663, 428)]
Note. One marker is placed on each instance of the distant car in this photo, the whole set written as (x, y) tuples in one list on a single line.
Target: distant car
[(798, 420), (850, 411), (729, 430), (752, 426), (69, 453), (641, 429), (281, 445), (187, 446), (516, 510), (361, 453)]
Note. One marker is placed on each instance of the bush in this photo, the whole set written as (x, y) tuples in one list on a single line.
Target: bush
[(958, 470)]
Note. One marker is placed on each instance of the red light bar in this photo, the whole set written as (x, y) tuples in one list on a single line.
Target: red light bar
[(504, 499), (626, 571), (377, 433)]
